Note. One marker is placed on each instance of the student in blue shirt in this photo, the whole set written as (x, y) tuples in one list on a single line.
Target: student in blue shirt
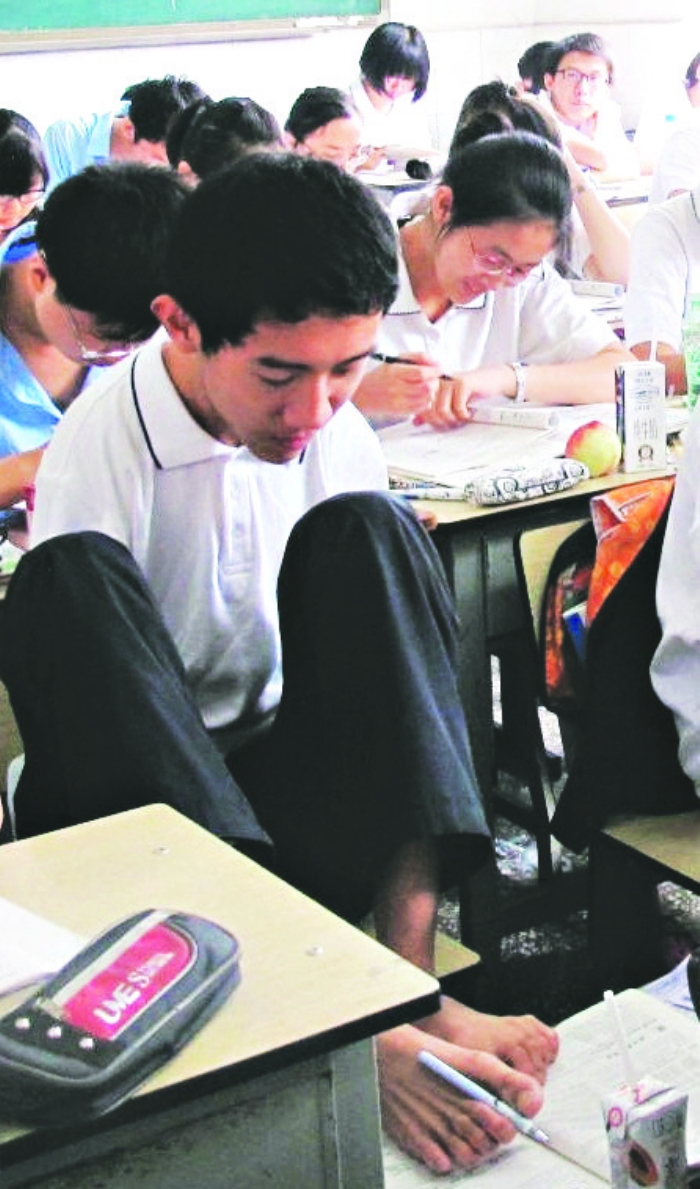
[(75, 294), (134, 132)]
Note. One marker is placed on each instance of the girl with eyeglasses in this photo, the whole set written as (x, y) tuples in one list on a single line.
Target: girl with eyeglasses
[(23, 170), (480, 312)]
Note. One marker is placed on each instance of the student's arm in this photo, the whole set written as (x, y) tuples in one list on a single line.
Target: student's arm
[(585, 381), (16, 472), (672, 360), (583, 150), (656, 294), (608, 238), (397, 390)]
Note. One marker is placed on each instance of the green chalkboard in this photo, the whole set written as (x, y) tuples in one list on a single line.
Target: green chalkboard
[(37, 24)]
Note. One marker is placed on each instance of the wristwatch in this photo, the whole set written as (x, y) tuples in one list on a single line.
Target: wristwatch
[(520, 381)]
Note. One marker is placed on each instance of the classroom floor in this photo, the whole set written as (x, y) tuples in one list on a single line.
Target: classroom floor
[(546, 969)]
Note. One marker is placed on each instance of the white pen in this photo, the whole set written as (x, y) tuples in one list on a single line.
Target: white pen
[(473, 1090), (431, 493)]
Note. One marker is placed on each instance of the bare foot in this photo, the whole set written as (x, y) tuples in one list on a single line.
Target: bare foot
[(431, 1120), (523, 1042)]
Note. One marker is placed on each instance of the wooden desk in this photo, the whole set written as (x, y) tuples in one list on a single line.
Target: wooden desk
[(278, 1089)]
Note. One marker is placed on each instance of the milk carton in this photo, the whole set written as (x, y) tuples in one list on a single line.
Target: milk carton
[(640, 396)]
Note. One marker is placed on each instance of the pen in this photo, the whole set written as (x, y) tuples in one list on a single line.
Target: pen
[(473, 1090), (431, 493), (397, 359)]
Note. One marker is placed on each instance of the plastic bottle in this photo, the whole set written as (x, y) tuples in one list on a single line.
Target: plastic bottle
[(691, 350)]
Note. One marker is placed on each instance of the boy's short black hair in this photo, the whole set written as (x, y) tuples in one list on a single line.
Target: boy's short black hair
[(316, 107), (396, 50), (209, 135), (279, 238), (21, 155), (579, 43), (104, 233), (533, 63), (155, 102)]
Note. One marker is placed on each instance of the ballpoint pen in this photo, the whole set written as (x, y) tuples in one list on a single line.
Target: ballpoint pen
[(473, 1090), (430, 492), (379, 355)]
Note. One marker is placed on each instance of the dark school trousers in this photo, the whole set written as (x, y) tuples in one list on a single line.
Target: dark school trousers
[(368, 750)]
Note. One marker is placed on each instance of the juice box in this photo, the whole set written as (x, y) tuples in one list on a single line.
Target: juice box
[(645, 1124), (640, 399)]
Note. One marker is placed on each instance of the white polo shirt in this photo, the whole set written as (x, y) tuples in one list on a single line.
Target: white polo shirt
[(678, 166), (537, 321), (664, 271), (208, 528), (675, 669)]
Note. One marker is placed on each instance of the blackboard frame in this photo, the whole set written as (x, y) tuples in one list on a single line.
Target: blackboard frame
[(113, 37)]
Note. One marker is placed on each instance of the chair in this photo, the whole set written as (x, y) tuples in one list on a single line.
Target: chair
[(520, 747), (628, 859)]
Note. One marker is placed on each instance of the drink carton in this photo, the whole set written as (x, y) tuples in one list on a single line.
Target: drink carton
[(646, 1135), (640, 395)]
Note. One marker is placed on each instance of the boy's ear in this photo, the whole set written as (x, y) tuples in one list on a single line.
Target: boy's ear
[(183, 331), (127, 129), (38, 274)]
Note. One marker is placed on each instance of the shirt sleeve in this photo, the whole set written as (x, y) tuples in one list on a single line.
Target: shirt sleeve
[(678, 167), (555, 325), (658, 280), (675, 669)]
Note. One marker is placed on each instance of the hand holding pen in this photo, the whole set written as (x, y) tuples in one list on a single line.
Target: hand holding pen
[(401, 387)]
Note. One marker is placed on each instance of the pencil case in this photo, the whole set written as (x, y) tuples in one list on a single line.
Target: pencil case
[(114, 1014), (512, 485)]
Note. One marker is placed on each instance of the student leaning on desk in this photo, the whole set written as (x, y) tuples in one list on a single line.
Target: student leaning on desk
[(479, 311)]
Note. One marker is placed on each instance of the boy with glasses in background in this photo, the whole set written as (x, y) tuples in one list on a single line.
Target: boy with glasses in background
[(577, 80), (75, 293)]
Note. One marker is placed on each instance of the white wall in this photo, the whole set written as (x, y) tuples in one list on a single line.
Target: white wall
[(651, 40)]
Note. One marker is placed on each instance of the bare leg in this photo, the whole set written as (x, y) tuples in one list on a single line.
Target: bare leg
[(511, 1054)]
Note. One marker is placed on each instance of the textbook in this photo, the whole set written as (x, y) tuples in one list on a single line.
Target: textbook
[(454, 456), (663, 1041)]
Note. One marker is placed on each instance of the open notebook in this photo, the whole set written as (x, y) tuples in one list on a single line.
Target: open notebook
[(663, 1041), (501, 434)]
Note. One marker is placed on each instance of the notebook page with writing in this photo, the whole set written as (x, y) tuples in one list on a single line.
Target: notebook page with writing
[(664, 1041), (453, 456)]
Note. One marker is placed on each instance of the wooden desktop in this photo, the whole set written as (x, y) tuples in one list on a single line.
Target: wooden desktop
[(279, 1088)]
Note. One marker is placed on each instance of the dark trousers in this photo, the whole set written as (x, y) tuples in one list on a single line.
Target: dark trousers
[(369, 747)]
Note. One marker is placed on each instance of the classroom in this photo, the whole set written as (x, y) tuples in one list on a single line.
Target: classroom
[(348, 594)]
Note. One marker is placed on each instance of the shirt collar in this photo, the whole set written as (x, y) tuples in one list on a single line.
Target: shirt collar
[(176, 438), (406, 301)]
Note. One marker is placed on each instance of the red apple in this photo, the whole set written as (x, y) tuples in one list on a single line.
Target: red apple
[(597, 445)]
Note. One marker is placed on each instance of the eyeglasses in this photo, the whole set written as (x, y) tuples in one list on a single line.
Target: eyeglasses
[(576, 77), (102, 357), (30, 196), (493, 264)]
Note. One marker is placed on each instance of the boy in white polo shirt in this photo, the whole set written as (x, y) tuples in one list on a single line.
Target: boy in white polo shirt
[(215, 506)]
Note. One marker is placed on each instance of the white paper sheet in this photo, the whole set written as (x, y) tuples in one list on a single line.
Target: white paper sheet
[(663, 1041), (32, 947)]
